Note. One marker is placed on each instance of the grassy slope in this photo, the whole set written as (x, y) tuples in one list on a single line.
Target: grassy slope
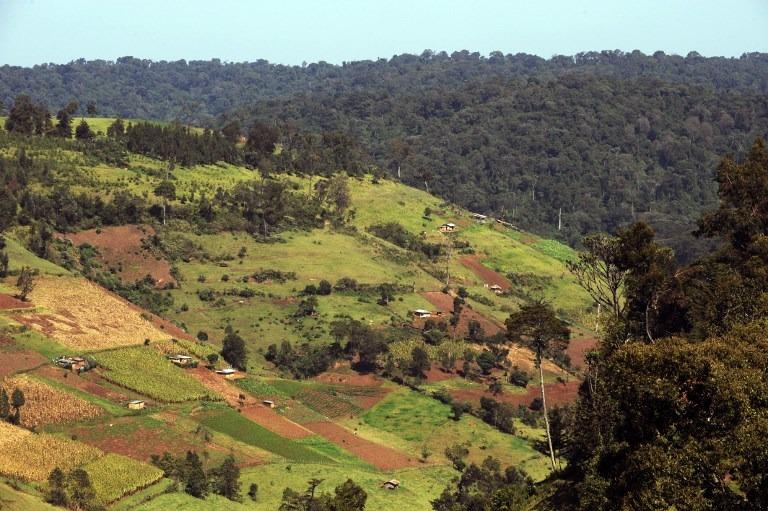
[(405, 420)]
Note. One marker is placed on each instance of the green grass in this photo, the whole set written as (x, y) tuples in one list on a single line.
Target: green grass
[(229, 422), (142, 496), (408, 420), (143, 369), (13, 500), (183, 502), (35, 341), (419, 486), (19, 256)]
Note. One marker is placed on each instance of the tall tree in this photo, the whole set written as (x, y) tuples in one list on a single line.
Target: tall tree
[(195, 477), (226, 480), (537, 326), (233, 350)]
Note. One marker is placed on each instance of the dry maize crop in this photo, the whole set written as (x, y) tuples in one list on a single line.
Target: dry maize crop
[(48, 405), (31, 457), (84, 316)]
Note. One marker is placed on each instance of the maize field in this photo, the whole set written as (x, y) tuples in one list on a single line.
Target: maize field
[(31, 457), (48, 405)]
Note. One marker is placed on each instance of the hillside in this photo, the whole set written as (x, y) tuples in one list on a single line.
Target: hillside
[(124, 289), (561, 147)]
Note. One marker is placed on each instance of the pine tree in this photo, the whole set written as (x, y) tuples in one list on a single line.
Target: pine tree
[(194, 475), (81, 492), (227, 479), (5, 406), (56, 493), (17, 401)]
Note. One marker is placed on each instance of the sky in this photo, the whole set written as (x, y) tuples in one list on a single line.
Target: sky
[(296, 31)]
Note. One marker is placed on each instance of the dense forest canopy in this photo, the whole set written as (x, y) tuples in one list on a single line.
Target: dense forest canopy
[(587, 143)]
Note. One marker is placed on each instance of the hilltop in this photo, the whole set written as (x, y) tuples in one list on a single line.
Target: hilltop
[(319, 275)]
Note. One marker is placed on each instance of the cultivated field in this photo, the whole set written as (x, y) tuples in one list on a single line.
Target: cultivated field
[(145, 370), (114, 476), (231, 423), (47, 405), (84, 316), (32, 457)]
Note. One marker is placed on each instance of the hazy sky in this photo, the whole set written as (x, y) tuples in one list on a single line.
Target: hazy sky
[(292, 31)]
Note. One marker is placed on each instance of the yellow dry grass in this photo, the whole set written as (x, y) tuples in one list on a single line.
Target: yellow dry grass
[(31, 457), (84, 316), (48, 405)]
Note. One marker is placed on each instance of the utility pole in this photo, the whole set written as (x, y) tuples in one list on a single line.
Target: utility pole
[(560, 219)]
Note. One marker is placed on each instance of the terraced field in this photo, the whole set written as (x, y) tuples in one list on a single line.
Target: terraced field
[(114, 476)]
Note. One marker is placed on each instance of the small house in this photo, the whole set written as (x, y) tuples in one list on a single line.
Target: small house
[(136, 404), (449, 227), (228, 373), (479, 218), (181, 360), (392, 484), (76, 364), (421, 313), (268, 403), (496, 289)]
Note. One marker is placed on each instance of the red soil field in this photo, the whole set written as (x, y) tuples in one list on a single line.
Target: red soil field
[(377, 455), (250, 407), (488, 275), (580, 345), (557, 394), (121, 247), (14, 361), (444, 303), (8, 302), (275, 422)]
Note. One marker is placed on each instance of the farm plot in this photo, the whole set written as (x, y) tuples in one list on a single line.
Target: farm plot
[(147, 372), (231, 423), (19, 360), (31, 457), (84, 316), (48, 405), (377, 455), (114, 476), (327, 404)]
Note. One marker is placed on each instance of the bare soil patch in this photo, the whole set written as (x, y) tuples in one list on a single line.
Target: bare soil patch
[(444, 303), (122, 248), (383, 458), (275, 422), (557, 394), (8, 302), (15, 361), (581, 344), (488, 275), (351, 378)]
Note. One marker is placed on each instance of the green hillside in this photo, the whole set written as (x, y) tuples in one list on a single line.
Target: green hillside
[(212, 279)]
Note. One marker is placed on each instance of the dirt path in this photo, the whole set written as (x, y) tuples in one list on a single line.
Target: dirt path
[(383, 458), (487, 275), (250, 407)]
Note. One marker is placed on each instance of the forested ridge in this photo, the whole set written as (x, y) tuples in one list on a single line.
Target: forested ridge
[(596, 140)]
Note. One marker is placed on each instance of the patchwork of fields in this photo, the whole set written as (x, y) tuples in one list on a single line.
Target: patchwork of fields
[(338, 425)]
